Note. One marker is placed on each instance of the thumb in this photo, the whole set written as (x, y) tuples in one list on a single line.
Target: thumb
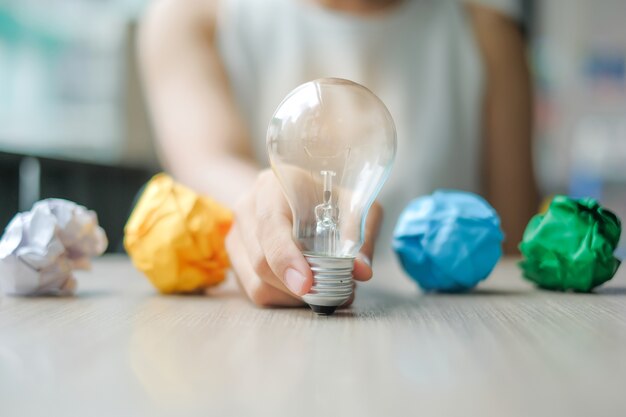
[(282, 255), (274, 233)]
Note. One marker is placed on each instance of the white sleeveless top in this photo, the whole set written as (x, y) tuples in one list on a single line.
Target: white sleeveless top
[(420, 58)]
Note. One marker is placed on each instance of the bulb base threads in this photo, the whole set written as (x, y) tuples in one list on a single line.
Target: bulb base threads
[(332, 283)]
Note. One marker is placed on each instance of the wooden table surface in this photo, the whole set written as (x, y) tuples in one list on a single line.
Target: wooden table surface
[(120, 349)]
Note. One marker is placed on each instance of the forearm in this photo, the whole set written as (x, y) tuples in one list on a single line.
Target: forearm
[(201, 137), (509, 179), (509, 183), (224, 178)]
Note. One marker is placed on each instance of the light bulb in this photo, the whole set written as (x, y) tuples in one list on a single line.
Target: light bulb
[(331, 143)]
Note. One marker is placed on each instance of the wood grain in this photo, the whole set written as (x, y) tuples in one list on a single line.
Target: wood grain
[(120, 349)]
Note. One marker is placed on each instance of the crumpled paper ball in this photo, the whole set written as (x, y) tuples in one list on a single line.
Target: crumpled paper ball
[(176, 237), (570, 247), (448, 241), (41, 247)]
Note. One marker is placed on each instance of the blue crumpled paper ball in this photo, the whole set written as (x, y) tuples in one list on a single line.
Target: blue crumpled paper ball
[(448, 241)]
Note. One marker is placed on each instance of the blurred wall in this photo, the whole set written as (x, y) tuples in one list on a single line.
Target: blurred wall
[(68, 85), (579, 55)]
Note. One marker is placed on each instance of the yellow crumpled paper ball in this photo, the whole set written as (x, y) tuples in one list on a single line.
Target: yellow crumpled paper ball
[(176, 237)]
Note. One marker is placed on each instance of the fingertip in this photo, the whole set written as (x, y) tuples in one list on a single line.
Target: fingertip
[(297, 282), (362, 270)]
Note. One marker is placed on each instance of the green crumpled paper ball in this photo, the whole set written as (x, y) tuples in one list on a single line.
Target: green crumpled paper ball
[(571, 246)]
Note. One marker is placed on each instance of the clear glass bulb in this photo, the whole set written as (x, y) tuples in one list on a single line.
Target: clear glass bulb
[(331, 143)]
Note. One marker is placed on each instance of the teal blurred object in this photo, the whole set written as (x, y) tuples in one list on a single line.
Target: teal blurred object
[(14, 30), (9, 27), (448, 241)]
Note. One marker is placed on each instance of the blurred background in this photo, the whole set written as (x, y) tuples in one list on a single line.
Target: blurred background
[(73, 123)]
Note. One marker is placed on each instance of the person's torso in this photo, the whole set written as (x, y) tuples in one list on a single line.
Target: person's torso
[(420, 58)]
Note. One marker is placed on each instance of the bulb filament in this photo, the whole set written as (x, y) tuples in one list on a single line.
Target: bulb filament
[(326, 233)]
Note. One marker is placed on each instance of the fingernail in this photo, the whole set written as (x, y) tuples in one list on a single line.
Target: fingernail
[(365, 260), (295, 281)]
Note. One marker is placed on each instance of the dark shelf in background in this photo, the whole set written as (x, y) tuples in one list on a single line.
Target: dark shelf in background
[(108, 190)]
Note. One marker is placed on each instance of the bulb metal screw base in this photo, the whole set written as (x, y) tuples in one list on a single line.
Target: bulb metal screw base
[(332, 283), (323, 310)]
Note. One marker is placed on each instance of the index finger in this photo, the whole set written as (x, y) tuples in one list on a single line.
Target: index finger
[(363, 264)]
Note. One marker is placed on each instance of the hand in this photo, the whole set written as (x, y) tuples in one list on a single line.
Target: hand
[(267, 262)]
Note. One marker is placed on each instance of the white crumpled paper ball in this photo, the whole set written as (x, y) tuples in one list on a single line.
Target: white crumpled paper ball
[(41, 247)]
